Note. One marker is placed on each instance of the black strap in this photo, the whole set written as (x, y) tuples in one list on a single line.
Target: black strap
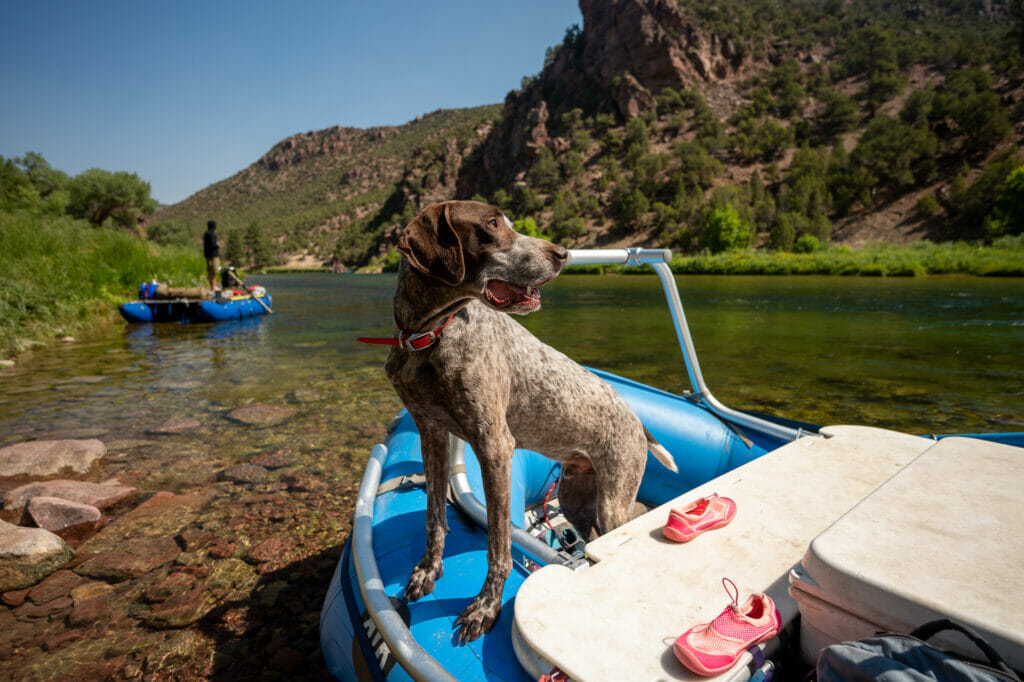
[(376, 674), (932, 628)]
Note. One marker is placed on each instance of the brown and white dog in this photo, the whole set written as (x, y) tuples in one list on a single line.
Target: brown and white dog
[(462, 366)]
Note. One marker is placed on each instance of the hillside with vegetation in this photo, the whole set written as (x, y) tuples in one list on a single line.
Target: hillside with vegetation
[(702, 126), (329, 196)]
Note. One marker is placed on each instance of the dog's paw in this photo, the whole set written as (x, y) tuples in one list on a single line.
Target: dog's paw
[(421, 582), (478, 618)]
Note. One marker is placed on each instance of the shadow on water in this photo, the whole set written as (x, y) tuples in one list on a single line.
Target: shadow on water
[(271, 632)]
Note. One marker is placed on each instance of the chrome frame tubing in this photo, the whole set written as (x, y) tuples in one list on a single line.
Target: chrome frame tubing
[(413, 658), (659, 260), (468, 502)]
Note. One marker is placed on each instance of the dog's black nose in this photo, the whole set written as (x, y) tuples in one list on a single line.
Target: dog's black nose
[(559, 254)]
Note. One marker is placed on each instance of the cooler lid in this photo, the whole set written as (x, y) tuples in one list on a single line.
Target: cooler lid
[(618, 619), (938, 539)]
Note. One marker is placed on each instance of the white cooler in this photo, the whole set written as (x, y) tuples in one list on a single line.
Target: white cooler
[(942, 538), (618, 619)]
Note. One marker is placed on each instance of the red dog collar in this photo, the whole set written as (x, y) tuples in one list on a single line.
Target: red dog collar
[(406, 339)]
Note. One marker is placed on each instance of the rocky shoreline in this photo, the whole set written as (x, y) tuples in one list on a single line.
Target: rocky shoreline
[(103, 580)]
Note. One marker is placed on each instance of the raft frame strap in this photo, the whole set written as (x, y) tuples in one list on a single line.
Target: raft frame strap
[(402, 482)]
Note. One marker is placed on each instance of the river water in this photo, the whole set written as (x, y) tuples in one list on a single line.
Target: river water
[(925, 355)]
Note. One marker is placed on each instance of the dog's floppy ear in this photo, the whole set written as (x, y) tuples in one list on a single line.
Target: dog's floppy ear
[(432, 246)]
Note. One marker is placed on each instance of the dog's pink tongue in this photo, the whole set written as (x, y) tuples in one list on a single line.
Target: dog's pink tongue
[(505, 294), (504, 291)]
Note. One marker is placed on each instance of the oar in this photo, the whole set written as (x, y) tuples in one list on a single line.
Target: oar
[(255, 298)]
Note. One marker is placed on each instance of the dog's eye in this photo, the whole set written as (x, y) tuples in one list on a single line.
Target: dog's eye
[(492, 223)]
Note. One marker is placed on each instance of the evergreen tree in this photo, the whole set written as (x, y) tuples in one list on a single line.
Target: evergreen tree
[(968, 206), (260, 249), (839, 116), (969, 103), (234, 249), (1007, 217), (544, 173), (896, 153)]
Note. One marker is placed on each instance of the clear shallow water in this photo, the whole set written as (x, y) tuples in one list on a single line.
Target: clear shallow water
[(935, 355)]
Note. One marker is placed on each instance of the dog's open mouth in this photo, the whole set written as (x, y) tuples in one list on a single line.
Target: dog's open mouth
[(507, 295)]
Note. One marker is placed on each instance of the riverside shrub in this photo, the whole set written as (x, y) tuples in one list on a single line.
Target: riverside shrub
[(725, 231)]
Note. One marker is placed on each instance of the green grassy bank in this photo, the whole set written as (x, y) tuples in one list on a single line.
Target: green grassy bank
[(1003, 258), (59, 275)]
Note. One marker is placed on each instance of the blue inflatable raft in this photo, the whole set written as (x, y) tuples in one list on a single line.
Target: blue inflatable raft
[(230, 304)]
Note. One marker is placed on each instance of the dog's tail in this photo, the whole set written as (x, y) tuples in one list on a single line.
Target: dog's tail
[(660, 453)]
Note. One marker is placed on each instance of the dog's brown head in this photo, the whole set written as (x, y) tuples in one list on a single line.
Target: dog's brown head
[(472, 246)]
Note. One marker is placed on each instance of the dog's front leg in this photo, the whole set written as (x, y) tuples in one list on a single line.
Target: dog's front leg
[(494, 453), (433, 446)]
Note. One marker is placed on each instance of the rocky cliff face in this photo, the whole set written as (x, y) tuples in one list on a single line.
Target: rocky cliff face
[(293, 150), (635, 48), (626, 53)]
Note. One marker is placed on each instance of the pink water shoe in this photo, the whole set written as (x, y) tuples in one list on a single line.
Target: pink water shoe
[(714, 647), (700, 515)]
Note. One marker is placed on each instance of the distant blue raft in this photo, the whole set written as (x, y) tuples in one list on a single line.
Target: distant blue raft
[(241, 303)]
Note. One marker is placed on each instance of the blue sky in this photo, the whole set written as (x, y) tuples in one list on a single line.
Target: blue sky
[(186, 93)]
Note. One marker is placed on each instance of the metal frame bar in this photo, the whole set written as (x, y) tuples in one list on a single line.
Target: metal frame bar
[(659, 260), (407, 651)]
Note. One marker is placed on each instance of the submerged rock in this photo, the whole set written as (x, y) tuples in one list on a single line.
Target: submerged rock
[(85, 612), (27, 555), (131, 559), (56, 586), (243, 473), (88, 590), (175, 651), (176, 426), (162, 516), (305, 395), (84, 433), (98, 495), (174, 583), (91, 600), (300, 481), (275, 547), (273, 460), (261, 414), (47, 457), (56, 514)]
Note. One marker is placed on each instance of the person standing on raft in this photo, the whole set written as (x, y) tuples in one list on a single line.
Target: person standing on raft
[(211, 249)]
